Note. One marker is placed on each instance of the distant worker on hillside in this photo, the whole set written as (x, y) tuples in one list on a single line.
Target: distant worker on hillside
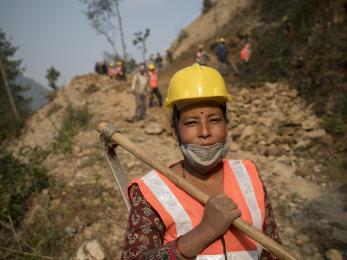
[(104, 68), (139, 88), (98, 67), (222, 56), (158, 61), (201, 56), (153, 84), (111, 72), (120, 71), (168, 56), (245, 56)]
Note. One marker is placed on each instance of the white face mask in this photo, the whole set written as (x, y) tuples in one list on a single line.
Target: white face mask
[(204, 158)]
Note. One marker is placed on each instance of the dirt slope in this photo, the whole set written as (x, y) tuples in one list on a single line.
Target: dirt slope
[(207, 27), (270, 125)]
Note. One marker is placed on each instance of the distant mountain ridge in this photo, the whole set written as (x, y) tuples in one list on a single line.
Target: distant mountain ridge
[(35, 91)]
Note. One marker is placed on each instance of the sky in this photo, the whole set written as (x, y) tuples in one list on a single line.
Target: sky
[(57, 33)]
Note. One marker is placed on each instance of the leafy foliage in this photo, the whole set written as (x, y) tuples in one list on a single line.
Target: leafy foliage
[(18, 181), (74, 120), (206, 5), (8, 125), (181, 36), (52, 77), (103, 16), (298, 45), (141, 38)]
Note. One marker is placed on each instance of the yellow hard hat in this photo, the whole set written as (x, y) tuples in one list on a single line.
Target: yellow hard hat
[(119, 63), (196, 83), (221, 39), (151, 66)]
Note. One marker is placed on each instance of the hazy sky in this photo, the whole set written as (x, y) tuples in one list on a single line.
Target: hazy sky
[(56, 32)]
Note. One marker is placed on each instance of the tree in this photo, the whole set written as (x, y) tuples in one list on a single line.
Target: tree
[(206, 6), (101, 14), (12, 104), (140, 38), (52, 77)]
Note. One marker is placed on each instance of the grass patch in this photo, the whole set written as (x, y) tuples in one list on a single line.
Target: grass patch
[(181, 36), (74, 120)]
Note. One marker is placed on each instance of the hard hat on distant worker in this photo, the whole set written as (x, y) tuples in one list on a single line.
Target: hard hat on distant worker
[(221, 39), (151, 66), (194, 84), (119, 63)]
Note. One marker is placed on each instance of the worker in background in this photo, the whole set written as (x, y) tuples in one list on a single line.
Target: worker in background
[(168, 56), (158, 61), (139, 88), (245, 57), (221, 51), (166, 222), (104, 68), (111, 71), (153, 84), (120, 71), (201, 56)]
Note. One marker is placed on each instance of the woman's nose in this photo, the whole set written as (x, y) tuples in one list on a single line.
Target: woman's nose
[(203, 130)]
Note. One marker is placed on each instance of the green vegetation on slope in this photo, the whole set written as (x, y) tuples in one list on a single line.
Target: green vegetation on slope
[(305, 42)]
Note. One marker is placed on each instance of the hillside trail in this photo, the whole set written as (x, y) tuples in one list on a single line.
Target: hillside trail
[(269, 124)]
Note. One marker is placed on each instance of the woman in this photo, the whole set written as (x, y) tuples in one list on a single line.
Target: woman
[(167, 223)]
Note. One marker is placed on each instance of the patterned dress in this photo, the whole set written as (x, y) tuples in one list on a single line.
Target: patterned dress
[(144, 237)]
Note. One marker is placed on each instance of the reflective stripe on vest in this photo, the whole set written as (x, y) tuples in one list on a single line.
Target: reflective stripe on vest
[(153, 79), (169, 201), (231, 256), (180, 212)]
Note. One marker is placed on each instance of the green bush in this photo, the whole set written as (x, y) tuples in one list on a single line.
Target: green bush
[(182, 35), (74, 120), (334, 124), (18, 181)]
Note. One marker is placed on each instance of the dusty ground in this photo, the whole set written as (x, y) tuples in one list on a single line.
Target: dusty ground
[(269, 124)]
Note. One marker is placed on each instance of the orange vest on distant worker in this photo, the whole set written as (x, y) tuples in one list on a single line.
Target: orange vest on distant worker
[(245, 54), (119, 70), (153, 79), (180, 212)]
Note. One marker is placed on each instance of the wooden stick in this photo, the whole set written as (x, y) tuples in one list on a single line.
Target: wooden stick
[(240, 224)]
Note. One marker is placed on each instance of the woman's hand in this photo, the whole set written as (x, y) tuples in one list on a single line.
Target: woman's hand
[(220, 212)]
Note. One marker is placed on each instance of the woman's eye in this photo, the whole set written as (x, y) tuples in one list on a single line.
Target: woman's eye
[(190, 123), (215, 119)]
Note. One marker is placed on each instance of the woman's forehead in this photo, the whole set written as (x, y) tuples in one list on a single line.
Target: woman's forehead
[(208, 106)]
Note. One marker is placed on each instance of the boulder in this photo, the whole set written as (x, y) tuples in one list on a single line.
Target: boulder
[(310, 123), (316, 134), (334, 254), (247, 132), (153, 129), (90, 250)]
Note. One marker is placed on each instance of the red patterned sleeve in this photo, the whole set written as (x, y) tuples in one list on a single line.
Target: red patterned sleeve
[(269, 228), (144, 237)]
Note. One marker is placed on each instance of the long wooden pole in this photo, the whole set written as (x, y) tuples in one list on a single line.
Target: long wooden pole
[(240, 224)]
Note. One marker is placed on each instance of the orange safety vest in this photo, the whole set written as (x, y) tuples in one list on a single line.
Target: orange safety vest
[(180, 212), (245, 53), (119, 70), (110, 72), (153, 79)]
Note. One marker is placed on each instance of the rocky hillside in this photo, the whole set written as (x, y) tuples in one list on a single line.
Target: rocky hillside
[(269, 124)]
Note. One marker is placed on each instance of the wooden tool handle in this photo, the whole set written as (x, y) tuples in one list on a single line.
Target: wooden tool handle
[(240, 224)]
